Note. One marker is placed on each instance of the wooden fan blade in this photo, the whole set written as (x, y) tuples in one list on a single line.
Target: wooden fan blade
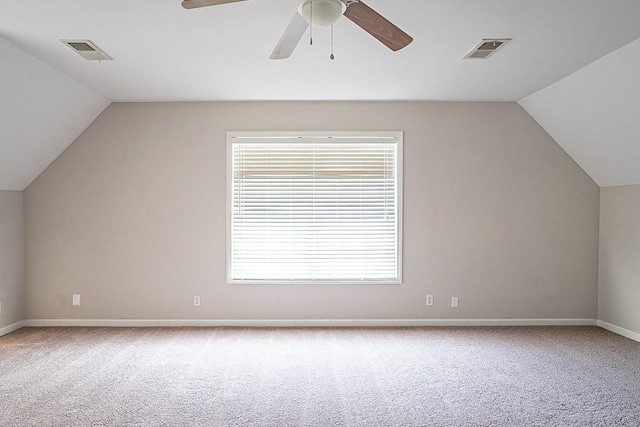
[(192, 4), (378, 26), (290, 38)]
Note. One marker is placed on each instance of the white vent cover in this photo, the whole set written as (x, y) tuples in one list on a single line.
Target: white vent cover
[(87, 50), (486, 48)]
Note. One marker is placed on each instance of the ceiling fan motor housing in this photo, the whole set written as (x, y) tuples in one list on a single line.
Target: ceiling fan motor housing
[(321, 12)]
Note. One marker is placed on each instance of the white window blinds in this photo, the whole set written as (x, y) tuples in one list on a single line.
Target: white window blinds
[(314, 209)]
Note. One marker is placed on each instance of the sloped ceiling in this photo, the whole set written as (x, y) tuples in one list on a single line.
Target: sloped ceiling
[(163, 52), (594, 114), (41, 112)]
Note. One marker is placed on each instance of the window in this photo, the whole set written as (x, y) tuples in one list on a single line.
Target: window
[(314, 207)]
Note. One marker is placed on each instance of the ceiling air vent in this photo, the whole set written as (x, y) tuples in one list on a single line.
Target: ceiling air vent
[(87, 50), (486, 48)]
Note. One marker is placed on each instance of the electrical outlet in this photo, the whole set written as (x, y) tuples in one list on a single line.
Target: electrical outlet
[(196, 301), (429, 299), (454, 302), (76, 299)]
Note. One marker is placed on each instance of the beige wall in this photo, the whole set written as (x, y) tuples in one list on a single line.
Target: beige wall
[(132, 217), (619, 272), (11, 258)]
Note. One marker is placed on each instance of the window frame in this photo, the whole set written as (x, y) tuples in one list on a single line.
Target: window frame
[(309, 136)]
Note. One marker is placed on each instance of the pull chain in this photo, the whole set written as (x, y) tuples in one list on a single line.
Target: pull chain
[(331, 56), (311, 23)]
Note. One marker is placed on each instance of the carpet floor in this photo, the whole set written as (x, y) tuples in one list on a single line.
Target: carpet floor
[(445, 376)]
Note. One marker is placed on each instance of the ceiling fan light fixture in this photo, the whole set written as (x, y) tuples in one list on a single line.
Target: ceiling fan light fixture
[(323, 12)]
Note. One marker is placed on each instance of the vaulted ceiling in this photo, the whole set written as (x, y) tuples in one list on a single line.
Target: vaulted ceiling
[(572, 64), (594, 114)]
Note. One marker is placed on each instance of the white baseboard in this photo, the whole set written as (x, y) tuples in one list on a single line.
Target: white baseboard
[(10, 328), (307, 322), (318, 323), (618, 330)]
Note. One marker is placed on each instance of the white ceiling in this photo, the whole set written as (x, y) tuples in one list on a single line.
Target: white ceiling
[(41, 112), (594, 114), (163, 52)]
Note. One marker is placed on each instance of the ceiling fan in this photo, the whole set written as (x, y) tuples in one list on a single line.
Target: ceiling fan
[(323, 13)]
